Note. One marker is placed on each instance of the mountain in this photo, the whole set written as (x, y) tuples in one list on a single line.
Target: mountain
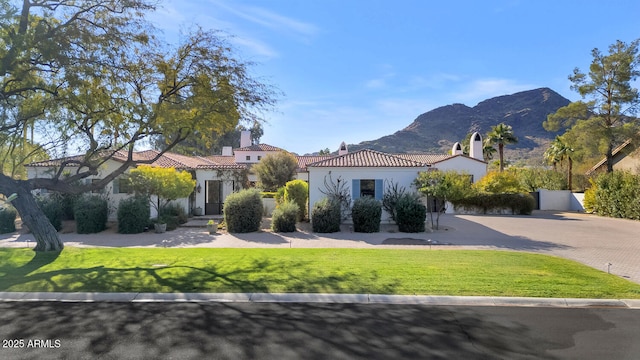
[(438, 129)]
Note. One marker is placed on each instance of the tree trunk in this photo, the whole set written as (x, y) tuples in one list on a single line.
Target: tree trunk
[(570, 175), (46, 236), (610, 157), (501, 154)]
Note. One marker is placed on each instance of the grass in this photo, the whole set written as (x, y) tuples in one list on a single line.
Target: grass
[(451, 272)]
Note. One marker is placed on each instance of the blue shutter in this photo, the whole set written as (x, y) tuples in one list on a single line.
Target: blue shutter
[(355, 188), (379, 189), (116, 186)]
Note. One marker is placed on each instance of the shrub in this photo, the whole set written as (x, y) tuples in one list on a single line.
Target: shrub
[(390, 199), (133, 215), (91, 214), (366, 214), (500, 182), (326, 216), (243, 211), (284, 217), (52, 209), (297, 191), (617, 194), (279, 196), (176, 211), (411, 214), (519, 204), (7, 219)]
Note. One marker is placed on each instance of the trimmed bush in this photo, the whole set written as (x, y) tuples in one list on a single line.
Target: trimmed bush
[(133, 215), (519, 204), (175, 210), (297, 191), (91, 214), (243, 211), (411, 214), (366, 214), (279, 196), (326, 216), (7, 219), (617, 194), (52, 209), (284, 217)]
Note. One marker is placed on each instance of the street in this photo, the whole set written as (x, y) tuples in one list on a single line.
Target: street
[(218, 330)]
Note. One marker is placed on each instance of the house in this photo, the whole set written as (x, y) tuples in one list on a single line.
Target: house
[(368, 172), (220, 175), (625, 157)]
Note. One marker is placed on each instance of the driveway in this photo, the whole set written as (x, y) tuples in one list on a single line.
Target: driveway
[(589, 239)]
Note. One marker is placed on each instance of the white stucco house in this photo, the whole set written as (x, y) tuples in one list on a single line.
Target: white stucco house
[(220, 175), (367, 172)]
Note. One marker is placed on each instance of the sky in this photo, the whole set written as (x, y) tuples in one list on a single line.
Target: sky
[(356, 70)]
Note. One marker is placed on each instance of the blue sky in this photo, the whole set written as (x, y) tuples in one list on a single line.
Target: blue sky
[(356, 70)]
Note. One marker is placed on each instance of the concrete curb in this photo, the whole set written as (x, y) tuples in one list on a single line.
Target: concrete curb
[(320, 298)]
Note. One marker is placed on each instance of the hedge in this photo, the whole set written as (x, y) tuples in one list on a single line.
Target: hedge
[(519, 204), (326, 216), (243, 211), (366, 214)]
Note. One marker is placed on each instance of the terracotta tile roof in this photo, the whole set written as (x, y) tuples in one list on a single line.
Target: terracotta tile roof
[(366, 158), (221, 162), (425, 158), (304, 160), (259, 147)]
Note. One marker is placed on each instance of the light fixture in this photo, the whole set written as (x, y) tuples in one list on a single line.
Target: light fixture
[(199, 188)]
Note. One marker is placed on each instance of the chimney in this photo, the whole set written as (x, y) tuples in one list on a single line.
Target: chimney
[(245, 138), (475, 146), (343, 149), (457, 149), (227, 151)]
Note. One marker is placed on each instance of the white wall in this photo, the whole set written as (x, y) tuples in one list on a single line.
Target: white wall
[(401, 176), (463, 164), (555, 199)]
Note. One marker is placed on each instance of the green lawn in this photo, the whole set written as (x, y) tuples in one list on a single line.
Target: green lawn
[(449, 272)]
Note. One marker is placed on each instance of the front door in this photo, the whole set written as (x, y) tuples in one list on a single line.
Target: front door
[(213, 197)]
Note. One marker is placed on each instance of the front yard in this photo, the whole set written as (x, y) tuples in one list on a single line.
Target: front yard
[(482, 273)]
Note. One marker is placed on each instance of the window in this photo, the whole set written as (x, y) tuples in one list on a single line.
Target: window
[(95, 191), (259, 157), (248, 157), (367, 187), (121, 186)]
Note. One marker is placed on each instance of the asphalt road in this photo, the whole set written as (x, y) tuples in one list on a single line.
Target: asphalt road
[(65, 330)]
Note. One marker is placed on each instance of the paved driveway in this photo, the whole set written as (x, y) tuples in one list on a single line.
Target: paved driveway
[(589, 239)]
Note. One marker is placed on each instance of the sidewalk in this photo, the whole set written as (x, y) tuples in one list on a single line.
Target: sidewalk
[(320, 298)]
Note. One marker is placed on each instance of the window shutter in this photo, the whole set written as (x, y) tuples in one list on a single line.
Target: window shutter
[(116, 186), (379, 189), (355, 188)]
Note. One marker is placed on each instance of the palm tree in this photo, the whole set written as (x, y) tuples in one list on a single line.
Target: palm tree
[(557, 152), (502, 135), (488, 150)]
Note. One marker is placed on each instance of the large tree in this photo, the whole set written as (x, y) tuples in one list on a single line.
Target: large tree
[(501, 135), (275, 170), (92, 79), (606, 119)]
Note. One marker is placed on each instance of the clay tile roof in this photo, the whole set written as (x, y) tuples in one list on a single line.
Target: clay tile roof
[(220, 162), (366, 158), (304, 160), (260, 147), (425, 158)]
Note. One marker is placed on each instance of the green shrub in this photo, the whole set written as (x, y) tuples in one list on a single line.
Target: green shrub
[(133, 215), (268, 194), (297, 191), (326, 216), (617, 194), (366, 214), (243, 211), (175, 210), (519, 204), (52, 209), (390, 199), (411, 214), (279, 196), (91, 214), (7, 219), (284, 217), (500, 183)]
